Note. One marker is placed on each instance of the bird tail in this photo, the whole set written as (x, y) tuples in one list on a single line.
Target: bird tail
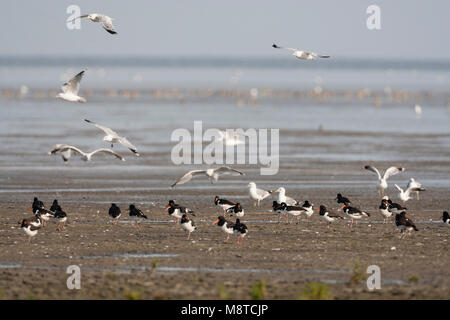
[(415, 228), (275, 46), (323, 56)]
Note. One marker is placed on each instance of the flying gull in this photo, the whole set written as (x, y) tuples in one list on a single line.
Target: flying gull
[(113, 137), (86, 156), (300, 54), (212, 174), (70, 89), (105, 21)]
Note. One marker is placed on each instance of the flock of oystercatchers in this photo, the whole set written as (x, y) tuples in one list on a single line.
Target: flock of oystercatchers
[(387, 209)]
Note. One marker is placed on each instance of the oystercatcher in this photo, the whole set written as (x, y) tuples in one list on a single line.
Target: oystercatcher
[(187, 225), (114, 213), (136, 214), (328, 215), (237, 210), (404, 224)]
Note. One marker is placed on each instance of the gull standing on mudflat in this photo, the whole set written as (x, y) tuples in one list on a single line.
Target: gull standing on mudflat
[(383, 180), (212, 174), (257, 194), (86, 156), (70, 89), (415, 184), (304, 55), (112, 137), (103, 19), (283, 198)]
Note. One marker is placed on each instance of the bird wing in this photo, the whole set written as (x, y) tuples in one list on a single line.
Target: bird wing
[(65, 147), (107, 130), (107, 24), (391, 172), (108, 151), (262, 193), (124, 141), (373, 169), (73, 85), (188, 176), (227, 170), (80, 17), (399, 189)]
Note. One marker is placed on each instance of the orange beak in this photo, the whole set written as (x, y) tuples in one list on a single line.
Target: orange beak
[(343, 206), (216, 221), (30, 208), (167, 208)]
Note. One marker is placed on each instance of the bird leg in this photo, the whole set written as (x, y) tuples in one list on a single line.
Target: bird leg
[(228, 237), (189, 235)]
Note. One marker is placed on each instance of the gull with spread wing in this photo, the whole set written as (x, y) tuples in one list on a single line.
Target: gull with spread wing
[(212, 174), (103, 19), (113, 137), (383, 180), (405, 195), (70, 89), (300, 54), (86, 156)]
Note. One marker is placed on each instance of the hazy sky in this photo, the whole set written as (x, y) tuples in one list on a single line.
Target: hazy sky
[(412, 29)]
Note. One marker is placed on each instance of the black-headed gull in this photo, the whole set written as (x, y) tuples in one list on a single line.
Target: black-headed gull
[(86, 156), (212, 174), (112, 137), (103, 19), (70, 89), (300, 54)]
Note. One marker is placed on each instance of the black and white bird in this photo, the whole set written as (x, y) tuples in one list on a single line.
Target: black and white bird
[(37, 204), (385, 210), (240, 230), (301, 54), (446, 218), (136, 214), (188, 225), (309, 208), (328, 215), (29, 229), (70, 89), (106, 21), (226, 226), (341, 200), (383, 179), (55, 206), (394, 207), (66, 151), (294, 211), (176, 211), (354, 213), (236, 210), (223, 203), (211, 174), (278, 209), (112, 137), (40, 211), (404, 224), (283, 198), (60, 219), (114, 213)]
